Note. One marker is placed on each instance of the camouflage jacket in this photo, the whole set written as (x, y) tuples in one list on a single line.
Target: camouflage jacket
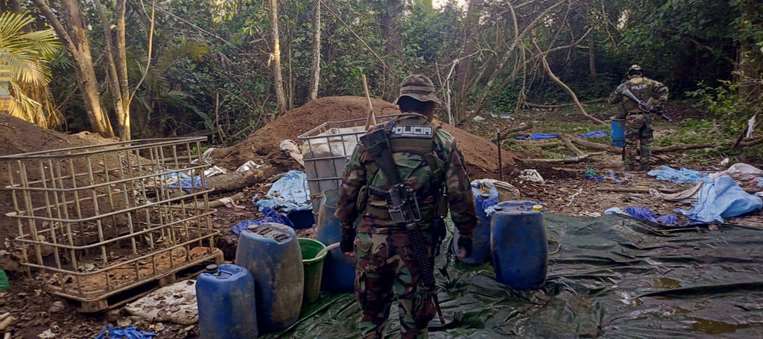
[(447, 177), (646, 89)]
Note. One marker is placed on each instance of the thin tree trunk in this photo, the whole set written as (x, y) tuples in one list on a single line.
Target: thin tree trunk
[(592, 58), (112, 75), (78, 45), (289, 55), (316, 78), (277, 75)]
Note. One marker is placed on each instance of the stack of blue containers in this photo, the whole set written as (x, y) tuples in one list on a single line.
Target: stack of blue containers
[(261, 293)]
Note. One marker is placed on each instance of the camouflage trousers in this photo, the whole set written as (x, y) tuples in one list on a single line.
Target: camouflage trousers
[(386, 267), (638, 139)]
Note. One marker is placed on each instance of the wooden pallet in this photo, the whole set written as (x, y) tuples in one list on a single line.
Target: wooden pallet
[(145, 287)]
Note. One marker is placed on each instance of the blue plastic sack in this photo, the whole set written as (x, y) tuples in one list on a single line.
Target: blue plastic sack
[(678, 176), (129, 332), (288, 193), (721, 198), (269, 215)]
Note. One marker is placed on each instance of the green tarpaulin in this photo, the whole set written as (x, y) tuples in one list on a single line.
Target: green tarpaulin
[(608, 277)]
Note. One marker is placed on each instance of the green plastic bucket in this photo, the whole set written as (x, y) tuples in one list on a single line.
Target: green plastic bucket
[(4, 282), (313, 253)]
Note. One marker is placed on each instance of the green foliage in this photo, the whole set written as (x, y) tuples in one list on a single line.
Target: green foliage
[(722, 101), (24, 58)]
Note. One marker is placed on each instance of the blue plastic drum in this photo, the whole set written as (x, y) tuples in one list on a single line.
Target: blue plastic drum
[(518, 244), (338, 271), (329, 228), (225, 297), (272, 254), (481, 234), (618, 132)]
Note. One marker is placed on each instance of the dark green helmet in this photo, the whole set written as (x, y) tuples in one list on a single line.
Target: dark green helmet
[(635, 69)]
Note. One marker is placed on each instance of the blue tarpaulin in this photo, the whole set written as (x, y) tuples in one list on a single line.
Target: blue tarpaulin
[(269, 216), (645, 214), (546, 136), (288, 193), (537, 136), (721, 198), (678, 176), (129, 332)]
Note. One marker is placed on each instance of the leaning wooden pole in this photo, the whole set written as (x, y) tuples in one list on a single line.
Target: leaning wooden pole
[(371, 120)]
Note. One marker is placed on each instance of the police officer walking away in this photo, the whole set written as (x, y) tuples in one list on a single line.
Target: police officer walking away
[(639, 98), (396, 189)]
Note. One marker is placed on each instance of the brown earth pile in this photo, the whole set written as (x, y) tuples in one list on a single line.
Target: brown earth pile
[(18, 136), (480, 154)]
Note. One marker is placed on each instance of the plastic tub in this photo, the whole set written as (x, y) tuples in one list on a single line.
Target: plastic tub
[(618, 132), (271, 253), (227, 308), (329, 228), (313, 253), (518, 244), (338, 271)]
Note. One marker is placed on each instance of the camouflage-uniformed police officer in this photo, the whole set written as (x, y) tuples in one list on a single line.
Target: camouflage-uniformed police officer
[(638, 124), (427, 161)]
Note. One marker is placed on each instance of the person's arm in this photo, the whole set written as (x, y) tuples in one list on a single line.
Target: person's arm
[(460, 199), (617, 94), (660, 92), (347, 210)]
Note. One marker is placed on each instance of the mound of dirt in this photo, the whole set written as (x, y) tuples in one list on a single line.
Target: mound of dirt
[(18, 136), (480, 155)]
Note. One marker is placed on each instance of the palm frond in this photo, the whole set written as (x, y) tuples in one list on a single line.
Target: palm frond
[(24, 58)]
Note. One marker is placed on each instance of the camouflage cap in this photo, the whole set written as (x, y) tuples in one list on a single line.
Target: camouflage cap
[(419, 87)]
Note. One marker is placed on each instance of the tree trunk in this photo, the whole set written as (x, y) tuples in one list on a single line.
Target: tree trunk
[(78, 45), (123, 114), (393, 44), (114, 75), (277, 75), (464, 70), (316, 78)]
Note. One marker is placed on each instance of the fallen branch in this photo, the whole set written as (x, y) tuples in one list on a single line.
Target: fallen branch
[(222, 201), (509, 132), (234, 181), (567, 142), (550, 106), (595, 145), (572, 160), (636, 190), (561, 83)]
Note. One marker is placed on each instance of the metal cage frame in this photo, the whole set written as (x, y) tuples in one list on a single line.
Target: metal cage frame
[(100, 219)]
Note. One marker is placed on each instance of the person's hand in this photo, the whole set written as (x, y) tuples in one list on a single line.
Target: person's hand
[(347, 244), (464, 247)]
